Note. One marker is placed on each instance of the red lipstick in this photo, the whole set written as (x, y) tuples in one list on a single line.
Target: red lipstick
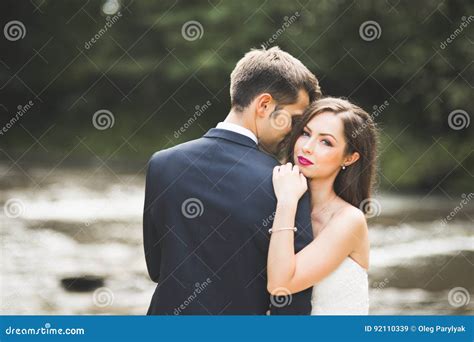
[(304, 161)]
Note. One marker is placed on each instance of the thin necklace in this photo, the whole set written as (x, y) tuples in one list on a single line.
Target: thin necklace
[(326, 206), (322, 211)]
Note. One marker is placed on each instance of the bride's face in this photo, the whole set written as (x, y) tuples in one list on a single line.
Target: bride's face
[(320, 150)]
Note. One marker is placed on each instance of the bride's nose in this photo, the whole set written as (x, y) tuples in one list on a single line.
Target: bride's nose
[(307, 147)]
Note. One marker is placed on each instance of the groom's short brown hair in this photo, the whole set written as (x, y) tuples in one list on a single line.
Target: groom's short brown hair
[(272, 71)]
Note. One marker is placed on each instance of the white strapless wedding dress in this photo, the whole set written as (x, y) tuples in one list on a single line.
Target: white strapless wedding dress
[(344, 292)]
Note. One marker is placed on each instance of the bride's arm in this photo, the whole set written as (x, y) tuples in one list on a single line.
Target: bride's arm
[(320, 258), (298, 272), (289, 185), (281, 254)]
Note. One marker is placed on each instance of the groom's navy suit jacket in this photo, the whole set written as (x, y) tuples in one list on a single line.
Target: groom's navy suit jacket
[(208, 206)]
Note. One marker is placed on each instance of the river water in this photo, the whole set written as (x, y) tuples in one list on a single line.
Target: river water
[(68, 222)]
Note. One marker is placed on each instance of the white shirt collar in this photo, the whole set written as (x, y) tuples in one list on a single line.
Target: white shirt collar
[(237, 129)]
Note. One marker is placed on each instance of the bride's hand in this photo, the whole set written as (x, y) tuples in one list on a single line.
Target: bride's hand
[(289, 184)]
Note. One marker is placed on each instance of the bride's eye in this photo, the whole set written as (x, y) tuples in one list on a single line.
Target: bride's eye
[(326, 142), (305, 134)]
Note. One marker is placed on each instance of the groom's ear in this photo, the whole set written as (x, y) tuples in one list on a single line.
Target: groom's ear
[(264, 104)]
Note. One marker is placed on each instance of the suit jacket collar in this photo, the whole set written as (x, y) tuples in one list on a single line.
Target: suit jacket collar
[(231, 136)]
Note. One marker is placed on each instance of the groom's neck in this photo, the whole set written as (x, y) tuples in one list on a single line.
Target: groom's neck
[(242, 119)]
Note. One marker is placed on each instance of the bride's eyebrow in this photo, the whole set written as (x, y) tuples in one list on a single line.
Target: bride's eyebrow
[(329, 135)]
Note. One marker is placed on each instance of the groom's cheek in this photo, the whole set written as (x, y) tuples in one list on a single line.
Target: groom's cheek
[(283, 136)]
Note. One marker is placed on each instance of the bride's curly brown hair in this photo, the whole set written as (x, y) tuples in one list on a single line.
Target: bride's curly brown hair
[(356, 182)]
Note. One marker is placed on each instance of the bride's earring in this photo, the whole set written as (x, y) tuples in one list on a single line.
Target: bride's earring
[(343, 167)]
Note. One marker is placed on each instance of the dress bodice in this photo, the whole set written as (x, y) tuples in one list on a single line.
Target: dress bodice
[(344, 292)]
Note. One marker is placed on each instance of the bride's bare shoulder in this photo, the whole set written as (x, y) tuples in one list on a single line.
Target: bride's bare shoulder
[(354, 217)]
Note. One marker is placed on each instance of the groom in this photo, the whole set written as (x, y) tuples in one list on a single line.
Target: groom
[(209, 202)]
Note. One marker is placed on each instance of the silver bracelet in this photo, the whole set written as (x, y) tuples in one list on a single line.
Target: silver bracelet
[(271, 230)]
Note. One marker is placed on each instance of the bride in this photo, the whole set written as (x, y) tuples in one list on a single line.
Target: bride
[(333, 149)]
